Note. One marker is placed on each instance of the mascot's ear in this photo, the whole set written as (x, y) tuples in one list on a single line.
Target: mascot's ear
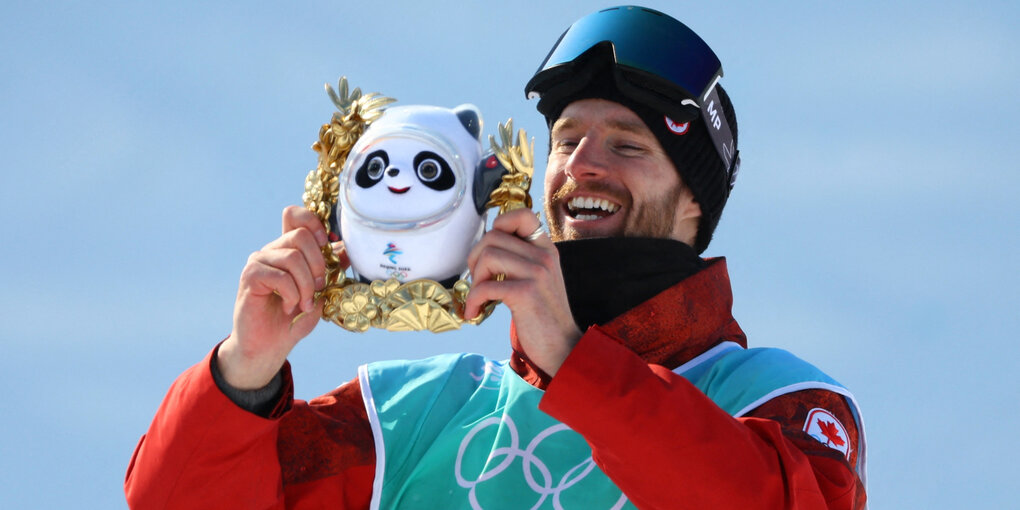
[(488, 175), (471, 118)]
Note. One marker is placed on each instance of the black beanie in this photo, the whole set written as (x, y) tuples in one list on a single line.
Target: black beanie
[(692, 151)]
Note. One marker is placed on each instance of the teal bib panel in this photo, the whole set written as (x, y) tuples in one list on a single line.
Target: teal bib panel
[(460, 431), (738, 379)]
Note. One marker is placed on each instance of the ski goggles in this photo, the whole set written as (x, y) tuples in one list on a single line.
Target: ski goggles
[(646, 42), (656, 60)]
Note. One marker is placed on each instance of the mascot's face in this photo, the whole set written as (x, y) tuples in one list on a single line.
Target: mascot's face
[(405, 177), (407, 206)]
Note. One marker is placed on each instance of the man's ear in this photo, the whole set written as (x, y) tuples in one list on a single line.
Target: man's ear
[(687, 206), (688, 217)]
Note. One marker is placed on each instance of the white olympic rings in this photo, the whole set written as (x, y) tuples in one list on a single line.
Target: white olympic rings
[(529, 459)]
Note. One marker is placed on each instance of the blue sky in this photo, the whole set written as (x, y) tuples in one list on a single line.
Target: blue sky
[(147, 149)]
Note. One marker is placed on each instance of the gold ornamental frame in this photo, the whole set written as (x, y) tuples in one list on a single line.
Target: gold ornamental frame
[(417, 305)]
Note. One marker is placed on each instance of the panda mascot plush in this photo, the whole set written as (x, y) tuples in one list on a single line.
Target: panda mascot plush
[(413, 192)]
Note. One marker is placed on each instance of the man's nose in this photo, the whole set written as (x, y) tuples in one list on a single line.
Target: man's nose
[(587, 161)]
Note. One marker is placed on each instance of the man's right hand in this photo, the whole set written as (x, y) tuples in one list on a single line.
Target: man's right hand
[(277, 285)]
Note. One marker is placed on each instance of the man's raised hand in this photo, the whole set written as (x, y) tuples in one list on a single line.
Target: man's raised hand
[(275, 305), (532, 287)]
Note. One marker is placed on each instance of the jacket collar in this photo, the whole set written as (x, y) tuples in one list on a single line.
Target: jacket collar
[(669, 329)]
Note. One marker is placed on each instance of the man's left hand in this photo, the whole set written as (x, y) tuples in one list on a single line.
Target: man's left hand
[(533, 287)]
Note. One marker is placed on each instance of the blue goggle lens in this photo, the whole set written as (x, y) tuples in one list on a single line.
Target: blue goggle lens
[(644, 40)]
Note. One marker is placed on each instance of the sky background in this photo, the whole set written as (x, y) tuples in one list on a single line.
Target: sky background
[(147, 149)]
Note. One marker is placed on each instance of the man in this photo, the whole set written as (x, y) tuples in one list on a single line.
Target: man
[(629, 382)]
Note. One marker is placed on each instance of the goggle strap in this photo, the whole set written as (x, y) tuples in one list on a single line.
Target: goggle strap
[(719, 130), (711, 87)]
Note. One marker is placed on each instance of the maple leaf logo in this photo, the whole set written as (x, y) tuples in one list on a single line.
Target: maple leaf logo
[(831, 432)]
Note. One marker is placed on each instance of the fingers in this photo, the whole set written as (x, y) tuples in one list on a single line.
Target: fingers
[(283, 272), (531, 267), (295, 217), (499, 253), (291, 266), (484, 291), (521, 223), (305, 243), (511, 232)]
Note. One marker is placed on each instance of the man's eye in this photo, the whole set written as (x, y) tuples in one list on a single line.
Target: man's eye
[(627, 148)]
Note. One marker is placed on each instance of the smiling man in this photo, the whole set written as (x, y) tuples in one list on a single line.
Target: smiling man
[(620, 182), (629, 383)]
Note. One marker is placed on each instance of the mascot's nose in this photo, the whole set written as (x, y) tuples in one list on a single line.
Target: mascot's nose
[(393, 172)]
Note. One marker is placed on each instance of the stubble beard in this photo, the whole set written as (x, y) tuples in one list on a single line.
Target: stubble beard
[(653, 219)]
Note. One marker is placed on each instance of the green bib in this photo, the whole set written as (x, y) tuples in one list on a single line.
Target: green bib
[(461, 431)]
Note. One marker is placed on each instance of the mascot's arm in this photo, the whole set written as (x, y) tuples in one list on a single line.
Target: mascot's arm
[(663, 442), (203, 451)]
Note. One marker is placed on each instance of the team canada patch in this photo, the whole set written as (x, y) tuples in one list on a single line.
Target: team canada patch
[(676, 127), (824, 427)]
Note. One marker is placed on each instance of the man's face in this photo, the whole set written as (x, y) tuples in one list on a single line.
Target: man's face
[(608, 176)]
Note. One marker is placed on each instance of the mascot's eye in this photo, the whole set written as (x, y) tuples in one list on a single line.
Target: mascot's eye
[(371, 170), (433, 171), (429, 170), (375, 168)]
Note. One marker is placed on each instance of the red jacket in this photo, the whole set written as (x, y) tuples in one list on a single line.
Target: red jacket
[(653, 433)]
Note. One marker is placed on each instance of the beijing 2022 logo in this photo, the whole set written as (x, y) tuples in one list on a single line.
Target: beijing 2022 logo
[(392, 251), (393, 270)]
